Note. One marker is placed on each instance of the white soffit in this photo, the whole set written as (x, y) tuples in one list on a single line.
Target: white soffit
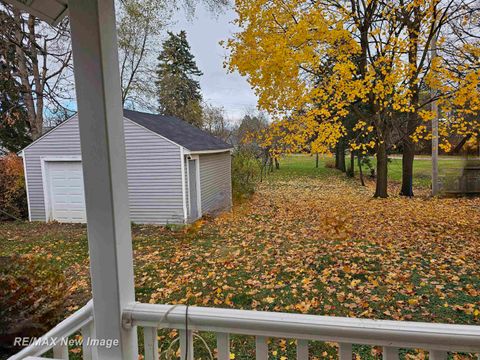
[(51, 11)]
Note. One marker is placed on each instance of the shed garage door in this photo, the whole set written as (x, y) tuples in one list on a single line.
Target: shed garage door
[(65, 198)]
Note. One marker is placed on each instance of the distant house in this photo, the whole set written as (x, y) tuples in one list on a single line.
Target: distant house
[(176, 172)]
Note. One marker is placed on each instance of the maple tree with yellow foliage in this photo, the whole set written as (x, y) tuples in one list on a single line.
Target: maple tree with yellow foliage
[(313, 63)]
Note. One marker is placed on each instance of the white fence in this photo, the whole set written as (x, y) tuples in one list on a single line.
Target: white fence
[(438, 339)]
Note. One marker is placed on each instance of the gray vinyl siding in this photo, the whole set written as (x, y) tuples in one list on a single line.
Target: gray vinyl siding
[(63, 141), (154, 177), (154, 172), (216, 182)]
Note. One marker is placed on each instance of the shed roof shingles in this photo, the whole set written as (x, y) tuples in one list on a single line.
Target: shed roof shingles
[(178, 131)]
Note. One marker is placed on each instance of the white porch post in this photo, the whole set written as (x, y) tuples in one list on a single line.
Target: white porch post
[(104, 169)]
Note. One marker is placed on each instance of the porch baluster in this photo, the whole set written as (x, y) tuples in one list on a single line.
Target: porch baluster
[(390, 353), (438, 355), (223, 346), (150, 343), (60, 350), (302, 349), (261, 348), (87, 335), (186, 341), (345, 351)]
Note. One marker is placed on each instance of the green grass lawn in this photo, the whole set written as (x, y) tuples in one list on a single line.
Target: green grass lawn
[(309, 241), (305, 165), (422, 169)]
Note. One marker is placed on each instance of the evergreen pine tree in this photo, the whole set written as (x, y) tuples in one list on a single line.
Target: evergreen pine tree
[(178, 89)]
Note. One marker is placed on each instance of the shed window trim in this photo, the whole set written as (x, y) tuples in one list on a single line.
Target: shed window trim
[(197, 180)]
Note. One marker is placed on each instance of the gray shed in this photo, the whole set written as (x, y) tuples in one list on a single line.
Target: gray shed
[(176, 172)]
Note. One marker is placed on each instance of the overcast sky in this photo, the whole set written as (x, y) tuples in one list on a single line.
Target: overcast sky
[(204, 32)]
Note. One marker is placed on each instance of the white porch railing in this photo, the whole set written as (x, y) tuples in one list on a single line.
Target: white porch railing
[(81, 320), (438, 339)]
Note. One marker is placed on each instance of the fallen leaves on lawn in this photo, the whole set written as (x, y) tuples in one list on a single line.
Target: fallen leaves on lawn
[(326, 247), (310, 245)]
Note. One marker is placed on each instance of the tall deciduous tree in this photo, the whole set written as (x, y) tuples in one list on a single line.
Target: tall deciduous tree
[(424, 21), (140, 24), (319, 61), (315, 62), (43, 76), (215, 122), (141, 27), (42, 55), (178, 86), (251, 124)]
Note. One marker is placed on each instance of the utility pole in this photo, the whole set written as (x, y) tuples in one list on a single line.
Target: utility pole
[(434, 122)]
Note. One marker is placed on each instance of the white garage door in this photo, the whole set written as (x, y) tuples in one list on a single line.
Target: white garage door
[(65, 198)]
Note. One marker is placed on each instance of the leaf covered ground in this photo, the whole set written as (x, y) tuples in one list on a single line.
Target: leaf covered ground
[(310, 241), (322, 245)]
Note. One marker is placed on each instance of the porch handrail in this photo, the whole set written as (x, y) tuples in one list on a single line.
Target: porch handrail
[(391, 335), (78, 320), (386, 333)]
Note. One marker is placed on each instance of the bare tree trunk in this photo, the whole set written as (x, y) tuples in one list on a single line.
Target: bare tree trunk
[(478, 145), (336, 156), (341, 157), (41, 57), (33, 56), (381, 189), (38, 79), (360, 171), (408, 157), (316, 161), (265, 163), (351, 171), (35, 122), (277, 164), (270, 164)]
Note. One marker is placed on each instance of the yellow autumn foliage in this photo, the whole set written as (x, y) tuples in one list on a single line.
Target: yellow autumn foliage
[(310, 66)]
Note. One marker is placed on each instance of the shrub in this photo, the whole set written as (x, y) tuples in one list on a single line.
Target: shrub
[(32, 297), (13, 196), (245, 171)]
